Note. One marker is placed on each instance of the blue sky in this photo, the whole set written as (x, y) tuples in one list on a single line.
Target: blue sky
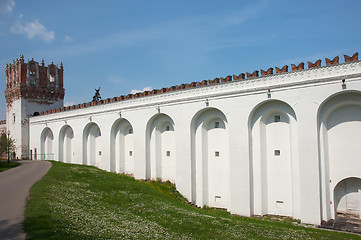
[(123, 46)]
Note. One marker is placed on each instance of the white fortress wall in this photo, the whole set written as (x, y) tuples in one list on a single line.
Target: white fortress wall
[(265, 145)]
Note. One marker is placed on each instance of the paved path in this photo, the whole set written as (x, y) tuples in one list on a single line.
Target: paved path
[(14, 190)]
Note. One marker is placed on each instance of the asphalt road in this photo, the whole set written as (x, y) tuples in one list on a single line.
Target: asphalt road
[(14, 190)]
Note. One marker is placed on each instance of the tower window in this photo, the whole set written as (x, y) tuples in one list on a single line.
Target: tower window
[(168, 153), (130, 130), (216, 154), (130, 153), (277, 118), (14, 118), (216, 125), (167, 128), (277, 152)]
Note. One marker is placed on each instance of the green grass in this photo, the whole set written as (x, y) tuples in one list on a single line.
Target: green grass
[(6, 166), (83, 202)]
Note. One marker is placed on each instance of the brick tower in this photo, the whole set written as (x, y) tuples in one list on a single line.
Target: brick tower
[(30, 89)]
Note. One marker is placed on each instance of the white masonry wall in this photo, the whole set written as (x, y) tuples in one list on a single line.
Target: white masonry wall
[(18, 121), (229, 145)]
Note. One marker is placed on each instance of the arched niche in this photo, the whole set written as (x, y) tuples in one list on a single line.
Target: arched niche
[(161, 148), (121, 147), (210, 159), (339, 125), (347, 197), (273, 158), (46, 140), (66, 136), (92, 145)]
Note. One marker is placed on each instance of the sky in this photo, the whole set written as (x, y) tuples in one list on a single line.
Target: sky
[(129, 46)]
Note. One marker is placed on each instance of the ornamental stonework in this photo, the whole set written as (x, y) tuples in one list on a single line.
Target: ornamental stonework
[(33, 81)]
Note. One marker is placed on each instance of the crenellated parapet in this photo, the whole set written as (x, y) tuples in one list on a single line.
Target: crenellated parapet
[(242, 76), (300, 66), (34, 81)]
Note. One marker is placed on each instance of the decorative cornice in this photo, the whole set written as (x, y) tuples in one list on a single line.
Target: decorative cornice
[(302, 78), (251, 77)]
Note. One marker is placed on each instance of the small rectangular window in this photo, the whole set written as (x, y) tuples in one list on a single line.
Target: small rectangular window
[(167, 128), (277, 118), (279, 204), (14, 118), (216, 154), (100, 153), (216, 125), (168, 153), (277, 152), (130, 130), (130, 153)]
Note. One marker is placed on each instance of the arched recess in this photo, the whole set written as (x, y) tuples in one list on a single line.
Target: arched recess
[(92, 145), (46, 146), (160, 148), (347, 197), (66, 136), (210, 159), (121, 147), (273, 155), (339, 127)]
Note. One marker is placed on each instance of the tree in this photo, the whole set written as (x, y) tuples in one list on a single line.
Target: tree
[(97, 96), (7, 145)]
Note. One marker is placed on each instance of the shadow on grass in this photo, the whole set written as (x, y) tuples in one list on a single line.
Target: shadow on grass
[(8, 165)]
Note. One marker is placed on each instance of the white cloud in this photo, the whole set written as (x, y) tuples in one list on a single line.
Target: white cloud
[(33, 29), (7, 5), (67, 39), (67, 104), (204, 30), (115, 80), (134, 91)]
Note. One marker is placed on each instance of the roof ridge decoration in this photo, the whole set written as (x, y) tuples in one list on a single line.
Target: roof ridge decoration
[(332, 62), (351, 59), (313, 65), (229, 78), (284, 69)]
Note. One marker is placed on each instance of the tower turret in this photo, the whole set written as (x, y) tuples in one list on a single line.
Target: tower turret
[(30, 89)]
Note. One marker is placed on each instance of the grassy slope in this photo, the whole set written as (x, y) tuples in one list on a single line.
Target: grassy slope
[(82, 202), (6, 166)]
